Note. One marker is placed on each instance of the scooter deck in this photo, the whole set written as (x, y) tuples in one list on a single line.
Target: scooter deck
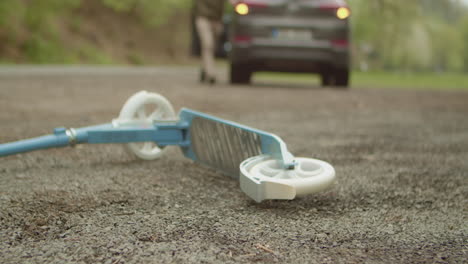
[(224, 144)]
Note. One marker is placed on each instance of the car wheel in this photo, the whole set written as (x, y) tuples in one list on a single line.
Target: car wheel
[(326, 79), (342, 78), (240, 74)]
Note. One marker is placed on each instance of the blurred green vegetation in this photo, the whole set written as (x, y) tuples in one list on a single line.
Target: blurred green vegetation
[(151, 12), (420, 80), (28, 24), (416, 35), (30, 30), (388, 35)]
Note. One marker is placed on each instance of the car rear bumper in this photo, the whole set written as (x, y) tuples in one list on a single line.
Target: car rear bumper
[(297, 58)]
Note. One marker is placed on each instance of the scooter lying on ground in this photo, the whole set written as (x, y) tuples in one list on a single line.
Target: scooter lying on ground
[(147, 123)]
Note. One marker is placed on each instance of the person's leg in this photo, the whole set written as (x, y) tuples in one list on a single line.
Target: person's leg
[(205, 32), (217, 27), (217, 30)]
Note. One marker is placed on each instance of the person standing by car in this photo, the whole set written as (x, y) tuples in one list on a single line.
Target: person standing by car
[(208, 22)]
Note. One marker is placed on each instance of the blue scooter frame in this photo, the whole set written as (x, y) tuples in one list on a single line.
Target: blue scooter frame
[(206, 139)]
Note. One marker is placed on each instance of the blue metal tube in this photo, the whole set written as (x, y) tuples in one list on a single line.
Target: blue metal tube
[(60, 138), (82, 133), (164, 134), (44, 142)]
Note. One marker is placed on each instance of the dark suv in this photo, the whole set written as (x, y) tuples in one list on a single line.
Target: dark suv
[(291, 36)]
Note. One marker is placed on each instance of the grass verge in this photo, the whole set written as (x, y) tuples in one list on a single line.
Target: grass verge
[(433, 81)]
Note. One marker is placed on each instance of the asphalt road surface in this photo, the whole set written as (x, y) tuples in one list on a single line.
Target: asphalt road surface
[(401, 158)]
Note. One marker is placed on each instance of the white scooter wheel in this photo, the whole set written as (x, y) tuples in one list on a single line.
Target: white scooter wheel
[(263, 177), (144, 109)]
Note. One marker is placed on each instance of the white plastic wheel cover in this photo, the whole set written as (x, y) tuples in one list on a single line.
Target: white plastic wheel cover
[(263, 177), (134, 111)]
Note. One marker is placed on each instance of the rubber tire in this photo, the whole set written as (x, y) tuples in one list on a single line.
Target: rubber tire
[(240, 74), (326, 79), (261, 178), (131, 107), (342, 78)]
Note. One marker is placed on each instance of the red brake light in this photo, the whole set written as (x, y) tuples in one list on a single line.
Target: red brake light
[(341, 43), (255, 3), (242, 39), (329, 6)]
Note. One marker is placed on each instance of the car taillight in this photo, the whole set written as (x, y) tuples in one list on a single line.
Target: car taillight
[(244, 7), (341, 12), (341, 43), (242, 39)]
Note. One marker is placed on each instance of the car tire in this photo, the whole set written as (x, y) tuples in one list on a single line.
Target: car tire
[(342, 78), (326, 79), (240, 74)]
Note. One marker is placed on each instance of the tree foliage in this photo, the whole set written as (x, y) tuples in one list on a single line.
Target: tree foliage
[(408, 35), (464, 40), (152, 12), (31, 25)]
